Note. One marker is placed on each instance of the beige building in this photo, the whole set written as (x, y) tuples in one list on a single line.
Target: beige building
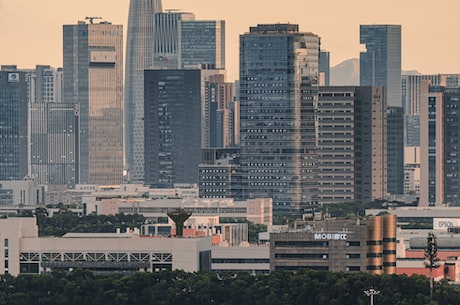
[(93, 79), (412, 170), (25, 252)]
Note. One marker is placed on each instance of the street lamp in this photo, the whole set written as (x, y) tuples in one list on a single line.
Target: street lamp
[(370, 293)]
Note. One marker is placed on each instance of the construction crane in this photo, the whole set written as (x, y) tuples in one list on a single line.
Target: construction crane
[(92, 18)]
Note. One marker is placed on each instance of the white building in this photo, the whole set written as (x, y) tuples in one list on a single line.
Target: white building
[(25, 252)]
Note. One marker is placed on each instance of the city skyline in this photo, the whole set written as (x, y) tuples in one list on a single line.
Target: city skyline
[(337, 25)]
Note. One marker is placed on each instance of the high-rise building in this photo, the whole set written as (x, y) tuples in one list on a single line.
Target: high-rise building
[(167, 43), (439, 157), (395, 150), (410, 90), (371, 161), (278, 97), (219, 113), (13, 124), (380, 64), (93, 79), (172, 126), (351, 144), (183, 42), (139, 56), (203, 43), (53, 129)]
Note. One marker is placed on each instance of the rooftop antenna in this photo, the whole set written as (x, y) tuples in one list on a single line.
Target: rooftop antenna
[(91, 19)]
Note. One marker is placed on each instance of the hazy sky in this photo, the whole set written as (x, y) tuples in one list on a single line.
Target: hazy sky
[(31, 30)]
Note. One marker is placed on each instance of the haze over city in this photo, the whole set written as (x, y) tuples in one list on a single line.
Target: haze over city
[(31, 31)]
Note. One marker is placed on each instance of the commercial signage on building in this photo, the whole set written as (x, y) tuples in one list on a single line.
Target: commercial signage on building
[(331, 236), (13, 77), (444, 223)]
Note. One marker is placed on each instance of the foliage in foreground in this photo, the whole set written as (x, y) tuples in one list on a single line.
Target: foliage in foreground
[(177, 287)]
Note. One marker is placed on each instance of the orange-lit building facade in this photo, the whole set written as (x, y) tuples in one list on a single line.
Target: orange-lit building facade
[(338, 245)]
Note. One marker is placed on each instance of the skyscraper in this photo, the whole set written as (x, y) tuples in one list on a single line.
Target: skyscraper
[(278, 96), (139, 56), (183, 42), (380, 64), (439, 157), (53, 129), (93, 79), (351, 144), (172, 126), (13, 124)]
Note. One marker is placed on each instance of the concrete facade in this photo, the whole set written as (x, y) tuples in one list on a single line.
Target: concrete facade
[(25, 252)]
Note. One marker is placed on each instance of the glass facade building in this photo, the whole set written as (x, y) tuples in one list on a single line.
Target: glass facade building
[(380, 64), (203, 42), (139, 56), (13, 124), (183, 42), (278, 100), (172, 127), (93, 79)]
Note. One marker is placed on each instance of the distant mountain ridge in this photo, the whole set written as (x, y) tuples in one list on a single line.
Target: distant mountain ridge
[(347, 73)]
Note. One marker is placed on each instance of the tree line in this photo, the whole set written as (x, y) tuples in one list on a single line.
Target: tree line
[(177, 287)]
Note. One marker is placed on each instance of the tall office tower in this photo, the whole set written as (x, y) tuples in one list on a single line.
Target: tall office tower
[(278, 97), (172, 126), (183, 42), (324, 68), (219, 116), (139, 56), (13, 124), (93, 79), (370, 145), (203, 43), (395, 150), (53, 128), (351, 148), (439, 157), (380, 65)]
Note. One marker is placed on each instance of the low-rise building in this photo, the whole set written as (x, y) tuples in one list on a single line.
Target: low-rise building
[(338, 245), (25, 252)]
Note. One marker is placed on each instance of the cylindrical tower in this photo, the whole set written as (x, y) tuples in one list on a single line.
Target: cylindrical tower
[(374, 245), (389, 243)]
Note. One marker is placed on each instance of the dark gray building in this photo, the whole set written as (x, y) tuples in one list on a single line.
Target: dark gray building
[(278, 97), (324, 68), (351, 144), (395, 150), (13, 124), (172, 126), (440, 123)]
